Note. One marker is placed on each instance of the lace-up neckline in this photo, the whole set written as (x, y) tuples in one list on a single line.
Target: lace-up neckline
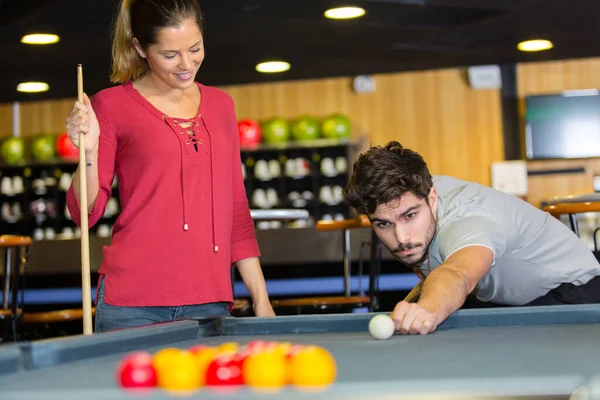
[(187, 126)]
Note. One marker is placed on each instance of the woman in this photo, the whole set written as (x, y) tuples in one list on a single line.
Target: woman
[(174, 146)]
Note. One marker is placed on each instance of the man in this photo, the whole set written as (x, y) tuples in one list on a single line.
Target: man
[(467, 239)]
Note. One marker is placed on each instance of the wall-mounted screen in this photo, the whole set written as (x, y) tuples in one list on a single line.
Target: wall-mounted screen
[(565, 125)]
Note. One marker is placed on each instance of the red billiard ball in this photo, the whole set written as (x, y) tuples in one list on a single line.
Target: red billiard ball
[(197, 348), (225, 370), (136, 371)]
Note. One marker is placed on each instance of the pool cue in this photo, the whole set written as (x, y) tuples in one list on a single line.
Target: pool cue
[(413, 295), (86, 284)]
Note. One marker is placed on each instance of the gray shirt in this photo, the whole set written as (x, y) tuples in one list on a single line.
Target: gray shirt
[(533, 251)]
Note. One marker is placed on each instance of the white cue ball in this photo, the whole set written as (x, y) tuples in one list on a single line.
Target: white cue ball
[(381, 327)]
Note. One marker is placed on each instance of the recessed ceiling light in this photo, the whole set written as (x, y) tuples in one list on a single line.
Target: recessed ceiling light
[(40, 38), (270, 67), (535, 45), (345, 12), (32, 87)]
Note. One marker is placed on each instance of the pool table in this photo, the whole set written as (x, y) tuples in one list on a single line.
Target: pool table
[(546, 352)]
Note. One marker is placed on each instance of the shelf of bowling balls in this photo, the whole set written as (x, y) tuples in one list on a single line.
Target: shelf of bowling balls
[(291, 145), (51, 162)]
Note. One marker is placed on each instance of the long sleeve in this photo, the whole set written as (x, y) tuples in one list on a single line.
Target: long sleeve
[(243, 237), (107, 148)]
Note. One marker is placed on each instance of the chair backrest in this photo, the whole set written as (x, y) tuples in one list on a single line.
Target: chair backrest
[(16, 252), (352, 223)]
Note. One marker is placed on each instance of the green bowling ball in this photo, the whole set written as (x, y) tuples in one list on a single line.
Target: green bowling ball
[(336, 126), (42, 148), (275, 130), (306, 128), (13, 150)]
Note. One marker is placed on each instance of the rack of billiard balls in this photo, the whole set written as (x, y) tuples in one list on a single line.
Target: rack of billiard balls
[(261, 365)]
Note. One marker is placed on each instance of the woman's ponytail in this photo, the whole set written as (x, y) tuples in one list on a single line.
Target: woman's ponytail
[(126, 62)]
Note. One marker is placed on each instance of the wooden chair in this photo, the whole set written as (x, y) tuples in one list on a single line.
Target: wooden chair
[(347, 299), (571, 206), (16, 253)]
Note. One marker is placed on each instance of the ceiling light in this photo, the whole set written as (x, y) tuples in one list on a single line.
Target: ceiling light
[(40, 38), (535, 45), (32, 87), (345, 12), (270, 67)]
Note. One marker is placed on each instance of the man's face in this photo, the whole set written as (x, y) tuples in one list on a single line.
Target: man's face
[(406, 226)]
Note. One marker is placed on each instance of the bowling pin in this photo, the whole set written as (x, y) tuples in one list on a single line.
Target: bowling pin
[(275, 168), (39, 187), (38, 234), (302, 167), (341, 165), (337, 195), (263, 225), (112, 206), (308, 195), (16, 208), (272, 198), (67, 233), (275, 224), (17, 184), (6, 187), (259, 198), (7, 213), (328, 167), (49, 233), (327, 217), (64, 182), (103, 231), (325, 194), (261, 171), (50, 181), (293, 196), (291, 168)]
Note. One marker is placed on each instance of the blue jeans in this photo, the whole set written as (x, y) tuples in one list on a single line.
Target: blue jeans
[(110, 317)]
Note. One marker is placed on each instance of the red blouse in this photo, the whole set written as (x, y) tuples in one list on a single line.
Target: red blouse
[(185, 217)]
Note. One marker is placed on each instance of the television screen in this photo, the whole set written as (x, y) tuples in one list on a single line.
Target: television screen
[(563, 125)]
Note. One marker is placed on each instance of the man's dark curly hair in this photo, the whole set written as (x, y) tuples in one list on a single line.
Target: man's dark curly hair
[(383, 174)]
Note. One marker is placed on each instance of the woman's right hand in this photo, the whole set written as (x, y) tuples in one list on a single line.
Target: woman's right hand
[(82, 119)]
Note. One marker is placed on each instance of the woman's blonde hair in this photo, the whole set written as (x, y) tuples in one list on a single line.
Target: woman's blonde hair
[(142, 19)]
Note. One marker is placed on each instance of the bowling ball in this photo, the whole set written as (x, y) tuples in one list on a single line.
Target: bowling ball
[(42, 148), (13, 150), (249, 131), (276, 130), (336, 126), (306, 128), (65, 147)]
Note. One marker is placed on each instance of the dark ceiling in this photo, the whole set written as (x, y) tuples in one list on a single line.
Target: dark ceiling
[(395, 35)]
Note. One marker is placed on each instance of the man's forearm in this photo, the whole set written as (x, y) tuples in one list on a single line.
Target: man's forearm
[(444, 291)]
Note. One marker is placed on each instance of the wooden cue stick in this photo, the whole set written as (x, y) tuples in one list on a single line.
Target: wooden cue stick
[(413, 295), (83, 205)]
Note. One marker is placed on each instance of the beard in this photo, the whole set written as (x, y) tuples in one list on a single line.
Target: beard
[(422, 249)]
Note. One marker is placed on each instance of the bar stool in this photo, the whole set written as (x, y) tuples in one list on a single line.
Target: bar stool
[(347, 299), (571, 206), (16, 251)]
